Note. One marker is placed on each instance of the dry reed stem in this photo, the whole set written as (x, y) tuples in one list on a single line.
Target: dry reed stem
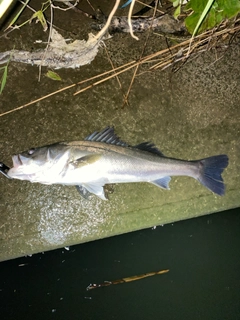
[(137, 67), (118, 80), (146, 5), (66, 88), (168, 60), (148, 58)]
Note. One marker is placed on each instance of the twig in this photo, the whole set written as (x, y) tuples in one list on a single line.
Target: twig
[(129, 20), (136, 69), (37, 100), (150, 6), (104, 29), (118, 80), (49, 38), (66, 88), (74, 7), (124, 280), (107, 78)]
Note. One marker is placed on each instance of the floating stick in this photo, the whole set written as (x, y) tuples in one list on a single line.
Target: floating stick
[(123, 280)]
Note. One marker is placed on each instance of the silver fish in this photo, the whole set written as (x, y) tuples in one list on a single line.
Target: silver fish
[(102, 158)]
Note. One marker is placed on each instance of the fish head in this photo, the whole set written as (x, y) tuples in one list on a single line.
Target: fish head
[(28, 164)]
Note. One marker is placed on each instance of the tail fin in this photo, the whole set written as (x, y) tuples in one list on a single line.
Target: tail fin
[(210, 173)]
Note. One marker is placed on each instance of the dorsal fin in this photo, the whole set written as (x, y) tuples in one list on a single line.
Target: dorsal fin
[(107, 135), (150, 147)]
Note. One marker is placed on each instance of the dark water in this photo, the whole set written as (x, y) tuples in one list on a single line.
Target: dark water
[(203, 282)]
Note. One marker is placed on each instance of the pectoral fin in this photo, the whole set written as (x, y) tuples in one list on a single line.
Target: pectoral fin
[(83, 192), (86, 160), (86, 190), (96, 189), (162, 182)]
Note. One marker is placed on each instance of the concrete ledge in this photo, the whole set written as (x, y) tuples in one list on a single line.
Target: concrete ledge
[(191, 114)]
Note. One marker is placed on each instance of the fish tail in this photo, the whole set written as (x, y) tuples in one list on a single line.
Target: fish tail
[(210, 173)]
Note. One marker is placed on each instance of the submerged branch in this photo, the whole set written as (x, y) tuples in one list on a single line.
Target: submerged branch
[(128, 279)]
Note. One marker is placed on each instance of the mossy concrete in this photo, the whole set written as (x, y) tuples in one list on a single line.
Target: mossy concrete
[(191, 114)]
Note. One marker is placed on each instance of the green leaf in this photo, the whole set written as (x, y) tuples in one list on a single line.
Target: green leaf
[(53, 75), (200, 17), (230, 8), (177, 12), (40, 17), (209, 13), (176, 3), (4, 78)]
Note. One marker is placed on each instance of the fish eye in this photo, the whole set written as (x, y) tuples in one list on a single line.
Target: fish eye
[(31, 151)]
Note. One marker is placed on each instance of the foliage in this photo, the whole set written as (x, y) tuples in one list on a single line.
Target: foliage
[(53, 75), (3, 80), (19, 13), (177, 4), (38, 15), (206, 14)]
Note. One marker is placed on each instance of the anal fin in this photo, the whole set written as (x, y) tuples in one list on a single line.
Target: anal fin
[(162, 182)]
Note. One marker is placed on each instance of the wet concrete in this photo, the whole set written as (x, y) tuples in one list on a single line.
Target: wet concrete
[(191, 114)]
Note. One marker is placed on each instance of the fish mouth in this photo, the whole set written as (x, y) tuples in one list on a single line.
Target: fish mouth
[(17, 161)]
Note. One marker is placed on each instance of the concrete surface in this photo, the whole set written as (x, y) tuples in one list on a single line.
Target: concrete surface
[(191, 114)]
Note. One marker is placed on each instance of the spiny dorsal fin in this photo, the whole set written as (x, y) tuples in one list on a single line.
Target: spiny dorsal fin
[(107, 135), (150, 147)]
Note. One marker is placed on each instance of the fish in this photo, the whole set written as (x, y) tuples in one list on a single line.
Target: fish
[(102, 158)]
